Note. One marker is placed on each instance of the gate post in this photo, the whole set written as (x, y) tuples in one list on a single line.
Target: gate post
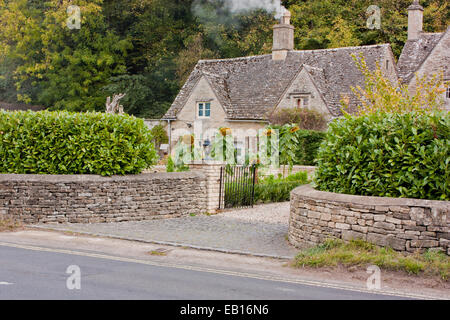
[(211, 170)]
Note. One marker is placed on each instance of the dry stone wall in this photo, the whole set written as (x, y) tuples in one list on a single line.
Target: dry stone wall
[(403, 224), (92, 199)]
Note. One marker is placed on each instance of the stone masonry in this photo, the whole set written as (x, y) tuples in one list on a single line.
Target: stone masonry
[(92, 199), (403, 224)]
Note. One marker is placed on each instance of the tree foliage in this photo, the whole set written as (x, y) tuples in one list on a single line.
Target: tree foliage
[(147, 48)]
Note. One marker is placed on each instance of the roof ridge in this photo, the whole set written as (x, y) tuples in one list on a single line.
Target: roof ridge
[(345, 48)]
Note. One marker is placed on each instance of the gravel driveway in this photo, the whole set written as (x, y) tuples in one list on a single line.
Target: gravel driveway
[(260, 231)]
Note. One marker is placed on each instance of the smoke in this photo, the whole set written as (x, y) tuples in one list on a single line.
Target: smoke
[(238, 7), (216, 13), (271, 6)]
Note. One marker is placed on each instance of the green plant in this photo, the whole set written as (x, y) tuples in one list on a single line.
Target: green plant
[(159, 135), (334, 252), (304, 118), (387, 155), (170, 166), (223, 148), (74, 143), (298, 147), (381, 95), (271, 189)]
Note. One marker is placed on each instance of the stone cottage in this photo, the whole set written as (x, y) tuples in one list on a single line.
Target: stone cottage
[(240, 93), (424, 53)]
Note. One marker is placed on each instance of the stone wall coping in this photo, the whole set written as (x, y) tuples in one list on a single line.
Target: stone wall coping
[(97, 178), (307, 191)]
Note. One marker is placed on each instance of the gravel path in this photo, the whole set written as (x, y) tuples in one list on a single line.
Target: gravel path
[(261, 231)]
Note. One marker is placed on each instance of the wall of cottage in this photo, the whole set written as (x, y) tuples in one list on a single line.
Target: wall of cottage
[(188, 121), (438, 61), (93, 199), (403, 224)]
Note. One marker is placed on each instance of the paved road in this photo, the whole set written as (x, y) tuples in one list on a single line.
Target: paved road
[(36, 274), (258, 231)]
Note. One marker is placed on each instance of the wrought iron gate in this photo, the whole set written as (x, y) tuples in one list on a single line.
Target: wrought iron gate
[(237, 186)]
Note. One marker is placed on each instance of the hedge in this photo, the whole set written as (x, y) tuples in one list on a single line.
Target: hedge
[(74, 143), (308, 147), (271, 189), (387, 155)]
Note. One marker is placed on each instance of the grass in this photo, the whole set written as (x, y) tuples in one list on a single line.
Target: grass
[(157, 253), (336, 252), (9, 225)]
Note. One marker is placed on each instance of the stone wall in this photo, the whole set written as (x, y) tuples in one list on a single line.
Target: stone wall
[(403, 224), (91, 199)]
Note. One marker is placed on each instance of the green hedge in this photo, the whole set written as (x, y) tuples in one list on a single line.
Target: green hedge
[(74, 143), (271, 189), (308, 147), (387, 155)]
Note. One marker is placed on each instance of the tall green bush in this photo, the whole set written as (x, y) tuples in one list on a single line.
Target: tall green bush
[(388, 155), (74, 143), (309, 142)]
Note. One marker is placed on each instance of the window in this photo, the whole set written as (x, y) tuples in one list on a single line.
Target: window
[(204, 109), (447, 93), (302, 102)]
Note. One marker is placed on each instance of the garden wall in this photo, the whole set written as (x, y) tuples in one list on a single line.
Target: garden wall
[(403, 224), (91, 199)]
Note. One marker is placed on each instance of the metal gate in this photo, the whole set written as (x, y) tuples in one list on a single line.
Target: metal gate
[(237, 186)]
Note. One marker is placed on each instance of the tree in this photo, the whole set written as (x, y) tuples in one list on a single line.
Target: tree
[(379, 95), (67, 66)]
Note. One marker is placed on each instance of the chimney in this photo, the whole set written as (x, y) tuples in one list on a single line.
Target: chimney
[(415, 20), (283, 37)]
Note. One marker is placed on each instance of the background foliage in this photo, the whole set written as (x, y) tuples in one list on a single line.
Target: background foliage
[(74, 143), (147, 48)]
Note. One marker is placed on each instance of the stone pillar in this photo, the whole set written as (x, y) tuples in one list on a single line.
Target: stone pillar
[(211, 169)]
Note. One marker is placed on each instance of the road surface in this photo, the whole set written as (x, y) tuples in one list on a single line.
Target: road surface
[(40, 273)]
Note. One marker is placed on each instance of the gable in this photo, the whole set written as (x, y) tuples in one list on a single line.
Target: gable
[(303, 86), (202, 92), (415, 53), (437, 61)]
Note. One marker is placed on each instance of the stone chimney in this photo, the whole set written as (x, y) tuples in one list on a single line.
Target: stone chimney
[(415, 20), (283, 37)]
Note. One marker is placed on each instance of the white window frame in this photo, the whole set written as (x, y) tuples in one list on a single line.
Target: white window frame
[(204, 103)]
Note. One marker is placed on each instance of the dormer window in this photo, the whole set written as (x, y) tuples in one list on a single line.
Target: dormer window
[(204, 110)]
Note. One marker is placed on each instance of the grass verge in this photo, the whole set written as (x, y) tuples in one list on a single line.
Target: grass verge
[(336, 252), (9, 225)]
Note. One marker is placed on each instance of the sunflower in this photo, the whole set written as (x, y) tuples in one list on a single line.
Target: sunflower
[(294, 129), (269, 132), (188, 139), (225, 131)]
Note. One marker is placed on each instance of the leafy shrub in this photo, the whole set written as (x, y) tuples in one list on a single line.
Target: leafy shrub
[(304, 118), (308, 146), (159, 135), (388, 155), (271, 189), (304, 144), (74, 143)]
